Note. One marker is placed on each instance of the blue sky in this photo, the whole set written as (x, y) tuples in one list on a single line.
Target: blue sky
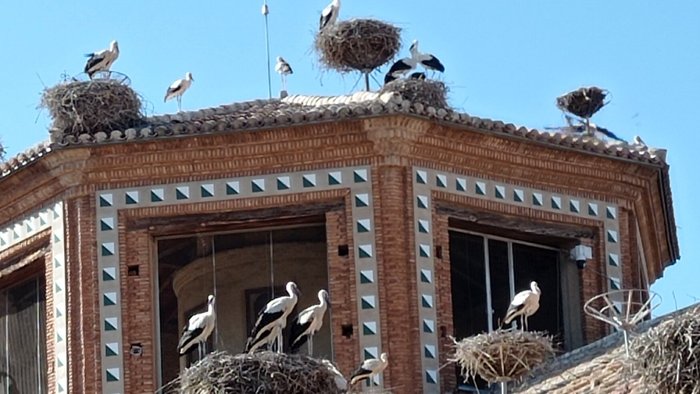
[(505, 60)]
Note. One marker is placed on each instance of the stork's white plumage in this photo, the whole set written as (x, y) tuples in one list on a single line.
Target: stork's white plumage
[(369, 368), (340, 382), (524, 304), (178, 88), (329, 14), (273, 318), (283, 69), (426, 60), (198, 329), (102, 60), (308, 323)]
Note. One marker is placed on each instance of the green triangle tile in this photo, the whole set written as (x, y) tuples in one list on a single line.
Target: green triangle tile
[(333, 180), (109, 326), (364, 279), (359, 176), (59, 362), (427, 353), (107, 301), (430, 378), (56, 263), (516, 196), (366, 304), (360, 202), (205, 192), (499, 193), (426, 327), (111, 377), (104, 202), (106, 276), (57, 288), (367, 330), (230, 190), (424, 278), (180, 195), (58, 313), (155, 197), (104, 226), (307, 183), (59, 338), (109, 352), (256, 188), (129, 200), (281, 185)]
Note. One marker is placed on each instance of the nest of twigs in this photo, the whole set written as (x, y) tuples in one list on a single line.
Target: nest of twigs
[(583, 102), (667, 357), (502, 356), (429, 92), (90, 107), (261, 372), (357, 45)]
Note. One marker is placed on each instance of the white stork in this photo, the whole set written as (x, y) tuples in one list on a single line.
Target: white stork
[(329, 14), (102, 60), (428, 61), (369, 368), (308, 323), (272, 320), (198, 329), (340, 382), (178, 88), (524, 304), (639, 141), (283, 69), (400, 68)]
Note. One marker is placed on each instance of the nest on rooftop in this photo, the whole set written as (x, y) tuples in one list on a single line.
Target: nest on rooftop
[(427, 91), (357, 45), (667, 357), (583, 102), (89, 107), (260, 372), (502, 356)]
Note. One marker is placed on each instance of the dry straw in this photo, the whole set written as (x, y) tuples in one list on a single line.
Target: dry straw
[(583, 102), (357, 45), (502, 356), (667, 357), (261, 372), (429, 92), (91, 107)]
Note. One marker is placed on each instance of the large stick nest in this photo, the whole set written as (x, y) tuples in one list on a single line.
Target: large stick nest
[(429, 92), (258, 373), (91, 107), (667, 357), (502, 356), (583, 102), (357, 45)]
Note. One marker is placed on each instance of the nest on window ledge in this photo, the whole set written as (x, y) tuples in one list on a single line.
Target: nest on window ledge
[(502, 356), (260, 372), (667, 357)]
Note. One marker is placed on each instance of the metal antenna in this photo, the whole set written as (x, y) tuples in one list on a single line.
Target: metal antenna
[(623, 309), (265, 11)]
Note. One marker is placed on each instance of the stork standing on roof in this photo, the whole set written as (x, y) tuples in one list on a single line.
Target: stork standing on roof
[(329, 14), (308, 323), (198, 329), (102, 60), (272, 320), (369, 368), (427, 60), (524, 304), (283, 69), (178, 88)]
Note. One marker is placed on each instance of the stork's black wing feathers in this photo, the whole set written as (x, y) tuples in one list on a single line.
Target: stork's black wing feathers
[(93, 61), (187, 337), (359, 372), (433, 63), (264, 319), (297, 336)]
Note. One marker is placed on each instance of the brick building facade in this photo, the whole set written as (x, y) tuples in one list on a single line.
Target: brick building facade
[(403, 194)]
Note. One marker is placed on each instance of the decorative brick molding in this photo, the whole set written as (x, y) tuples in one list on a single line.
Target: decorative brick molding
[(425, 181), (110, 202), (23, 229)]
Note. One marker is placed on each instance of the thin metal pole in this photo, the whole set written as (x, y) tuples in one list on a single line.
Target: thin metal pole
[(216, 301), (265, 12), (504, 387), (367, 82), (272, 268)]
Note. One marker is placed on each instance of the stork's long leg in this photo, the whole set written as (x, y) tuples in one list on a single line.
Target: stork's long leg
[(179, 103)]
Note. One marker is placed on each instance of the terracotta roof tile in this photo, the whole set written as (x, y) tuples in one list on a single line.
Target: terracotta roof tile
[(300, 109)]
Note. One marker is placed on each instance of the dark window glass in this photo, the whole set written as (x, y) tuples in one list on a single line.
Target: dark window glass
[(246, 269), (23, 338)]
